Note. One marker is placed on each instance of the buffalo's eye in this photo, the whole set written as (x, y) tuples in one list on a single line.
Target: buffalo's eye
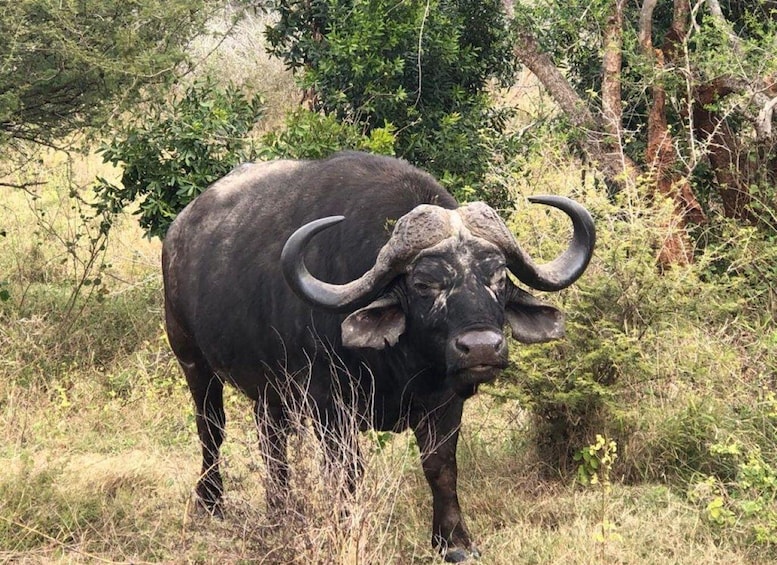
[(425, 288), (430, 276)]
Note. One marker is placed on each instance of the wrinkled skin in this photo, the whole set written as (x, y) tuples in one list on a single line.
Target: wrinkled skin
[(427, 331)]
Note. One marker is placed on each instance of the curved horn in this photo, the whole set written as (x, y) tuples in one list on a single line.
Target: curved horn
[(484, 222), (567, 267), (420, 228), (333, 297)]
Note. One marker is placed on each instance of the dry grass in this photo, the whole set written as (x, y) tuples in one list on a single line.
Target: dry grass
[(100, 457), (121, 493)]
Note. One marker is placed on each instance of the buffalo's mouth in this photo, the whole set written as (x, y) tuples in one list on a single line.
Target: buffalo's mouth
[(465, 382)]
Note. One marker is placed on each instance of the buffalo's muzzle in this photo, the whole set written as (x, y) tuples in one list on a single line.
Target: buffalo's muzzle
[(478, 348), (475, 357)]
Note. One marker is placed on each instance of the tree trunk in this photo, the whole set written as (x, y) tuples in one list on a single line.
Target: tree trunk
[(660, 154), (724, 154), (612, 109)]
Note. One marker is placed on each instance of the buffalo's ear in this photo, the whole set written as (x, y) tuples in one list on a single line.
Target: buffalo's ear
[(531, 320), (376, 326)]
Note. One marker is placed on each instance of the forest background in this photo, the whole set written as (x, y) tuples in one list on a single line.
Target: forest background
[(647, 435)]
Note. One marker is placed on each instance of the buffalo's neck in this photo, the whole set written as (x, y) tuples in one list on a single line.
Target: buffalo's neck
[(397, 379)]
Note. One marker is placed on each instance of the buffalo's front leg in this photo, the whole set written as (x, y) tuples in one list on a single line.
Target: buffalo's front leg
[(437, 434)]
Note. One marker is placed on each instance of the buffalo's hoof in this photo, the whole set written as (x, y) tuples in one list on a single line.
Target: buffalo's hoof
[(212, 509), (461, 555)]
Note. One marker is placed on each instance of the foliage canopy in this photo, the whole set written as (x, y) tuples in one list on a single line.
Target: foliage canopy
[(179, 147), (65, 66)]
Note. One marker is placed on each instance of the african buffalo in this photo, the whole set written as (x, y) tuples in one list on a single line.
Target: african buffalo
[(406, 289)]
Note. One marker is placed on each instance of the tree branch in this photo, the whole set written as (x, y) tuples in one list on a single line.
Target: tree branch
[(646, 24), (597, 144), (22, 186), (528, 51)]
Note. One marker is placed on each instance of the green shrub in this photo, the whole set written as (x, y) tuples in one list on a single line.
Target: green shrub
[(743, 504), (177, 150), (425, 69), (312, 135), (647, 353)]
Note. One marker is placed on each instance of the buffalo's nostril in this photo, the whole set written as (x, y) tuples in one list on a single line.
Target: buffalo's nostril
[(462, 346)]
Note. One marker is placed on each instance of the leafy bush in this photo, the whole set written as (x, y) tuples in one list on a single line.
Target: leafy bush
[(177, 150), (745, 503), (311, 135), (421, 69), (176, 153)]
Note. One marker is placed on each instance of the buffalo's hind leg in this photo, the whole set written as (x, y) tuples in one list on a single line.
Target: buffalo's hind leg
[(272, 424), (208, 393)]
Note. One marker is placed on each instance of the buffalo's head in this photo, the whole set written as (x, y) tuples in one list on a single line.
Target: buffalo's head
[(441, 280)]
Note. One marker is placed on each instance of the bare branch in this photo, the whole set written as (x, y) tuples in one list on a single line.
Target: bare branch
[(21, 186), (763, 124), (539, 63)]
